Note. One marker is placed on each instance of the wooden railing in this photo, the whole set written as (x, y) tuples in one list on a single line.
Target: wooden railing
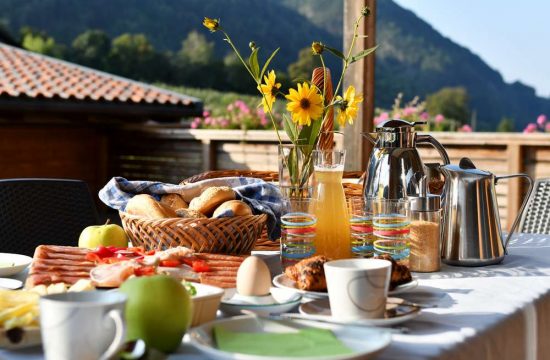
[(172, 154)]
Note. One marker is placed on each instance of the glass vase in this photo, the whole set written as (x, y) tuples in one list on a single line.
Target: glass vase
[(295, 170)]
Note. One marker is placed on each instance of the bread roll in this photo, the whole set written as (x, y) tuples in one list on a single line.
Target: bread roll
[(175, 201), (211, 198), (190, 214), (146, 206), (237, 207)]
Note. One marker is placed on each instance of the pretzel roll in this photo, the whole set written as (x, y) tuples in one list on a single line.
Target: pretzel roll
[(237, 208), (211, 198), (175, 201), (146, 206)]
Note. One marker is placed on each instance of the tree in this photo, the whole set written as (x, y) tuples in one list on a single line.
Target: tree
[(452, 102), (303, 67), (132, 55), (196, 50), (506, 124), (40, 42), (91, 48), (236, 76)]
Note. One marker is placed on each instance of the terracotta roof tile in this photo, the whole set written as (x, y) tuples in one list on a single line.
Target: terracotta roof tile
[(23, 73)]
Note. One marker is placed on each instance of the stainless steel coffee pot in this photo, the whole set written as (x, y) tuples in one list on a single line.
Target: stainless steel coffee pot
[(394, 160), (471, 232)]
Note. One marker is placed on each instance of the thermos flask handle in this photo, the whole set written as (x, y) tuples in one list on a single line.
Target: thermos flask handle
[(525, 200), (424, 138)]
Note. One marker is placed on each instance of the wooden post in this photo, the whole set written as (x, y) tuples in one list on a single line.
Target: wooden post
[(514, 152), (208, 155), (360, 75)]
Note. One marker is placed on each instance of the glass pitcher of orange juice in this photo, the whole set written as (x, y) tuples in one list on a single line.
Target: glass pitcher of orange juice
[(333, 232)]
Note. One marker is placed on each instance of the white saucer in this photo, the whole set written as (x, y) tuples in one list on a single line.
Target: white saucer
[(284, 282), (11, 264), (395, 313), (12, 284), (279, 301)]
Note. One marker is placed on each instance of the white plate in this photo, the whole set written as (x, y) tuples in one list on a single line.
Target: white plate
[(12, 284), (284, 282), (11, 264), (404, 287), (20, 338), (365, 342), (280, 301), (395, 314)]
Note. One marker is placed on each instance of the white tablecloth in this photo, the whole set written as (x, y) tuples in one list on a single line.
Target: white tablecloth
[(494, 312)]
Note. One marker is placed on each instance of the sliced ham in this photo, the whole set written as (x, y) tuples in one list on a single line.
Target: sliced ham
[(58, 262), (113, 275)]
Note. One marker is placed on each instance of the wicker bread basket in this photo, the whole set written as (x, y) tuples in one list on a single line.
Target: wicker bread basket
[(232, 235)]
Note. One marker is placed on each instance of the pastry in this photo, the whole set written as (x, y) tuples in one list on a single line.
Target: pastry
[(211, 198), (232, 208), (400, 274), (146, 206), (175, 201), (190, 214), (309, 274)]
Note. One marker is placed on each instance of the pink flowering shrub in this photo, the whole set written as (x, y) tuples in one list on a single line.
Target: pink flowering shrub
[(541, 125), (238, 115), (415, 111)]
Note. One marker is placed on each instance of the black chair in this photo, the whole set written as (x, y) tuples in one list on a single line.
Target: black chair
[(536, 216), (43, 211)]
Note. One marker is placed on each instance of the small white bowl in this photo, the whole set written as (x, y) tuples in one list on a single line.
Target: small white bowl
[(11, 264), (278, 301), (205, 303)]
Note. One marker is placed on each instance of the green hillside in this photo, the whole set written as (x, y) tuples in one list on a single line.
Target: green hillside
[(413, 57)]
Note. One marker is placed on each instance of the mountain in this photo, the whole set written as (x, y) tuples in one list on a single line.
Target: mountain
[(413, 57), (167, 22)]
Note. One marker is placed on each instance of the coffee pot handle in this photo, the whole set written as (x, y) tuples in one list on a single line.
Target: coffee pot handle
[(525, 200), (425, 138)]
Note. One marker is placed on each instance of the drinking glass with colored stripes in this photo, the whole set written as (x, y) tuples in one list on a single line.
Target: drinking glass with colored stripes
[(391, 227), (298, 228), (362, 237)]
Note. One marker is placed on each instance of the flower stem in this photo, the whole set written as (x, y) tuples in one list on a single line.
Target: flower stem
[(258, 82), (347, 59)]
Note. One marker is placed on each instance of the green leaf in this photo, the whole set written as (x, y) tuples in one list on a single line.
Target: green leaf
[(335, 52), (362, 54), (253, 61), (290, 129), (267, 62), (308, 134)]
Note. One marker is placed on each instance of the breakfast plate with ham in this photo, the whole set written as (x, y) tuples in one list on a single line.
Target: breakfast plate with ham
[(109, 267)]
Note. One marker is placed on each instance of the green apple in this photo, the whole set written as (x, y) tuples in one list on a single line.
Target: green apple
[(106, 235), (158, 311)]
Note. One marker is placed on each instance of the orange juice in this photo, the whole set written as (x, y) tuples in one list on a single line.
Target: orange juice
[(333, 232)]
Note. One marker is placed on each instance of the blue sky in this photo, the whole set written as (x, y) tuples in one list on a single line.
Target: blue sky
[(512, 37)]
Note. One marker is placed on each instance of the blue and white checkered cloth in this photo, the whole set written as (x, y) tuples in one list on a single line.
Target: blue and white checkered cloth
[(263, 197)]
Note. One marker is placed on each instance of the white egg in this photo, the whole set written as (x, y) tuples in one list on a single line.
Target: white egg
[(253, 277)]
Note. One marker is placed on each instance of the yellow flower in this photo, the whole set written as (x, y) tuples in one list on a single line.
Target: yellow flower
[(317, 48), (269, 90), (305, 104), (348, 106), (211, 24)]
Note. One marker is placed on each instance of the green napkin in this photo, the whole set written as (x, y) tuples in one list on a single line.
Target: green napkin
[(305, 342)]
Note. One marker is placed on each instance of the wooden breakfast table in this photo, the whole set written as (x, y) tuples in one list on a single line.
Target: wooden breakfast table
[(494, 312)]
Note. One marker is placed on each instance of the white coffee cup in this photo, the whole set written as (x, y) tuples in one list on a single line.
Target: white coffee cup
[(358, 288), (82, 325)]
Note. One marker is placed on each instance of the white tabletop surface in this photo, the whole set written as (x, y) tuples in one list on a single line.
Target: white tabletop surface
[(494, 312)]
